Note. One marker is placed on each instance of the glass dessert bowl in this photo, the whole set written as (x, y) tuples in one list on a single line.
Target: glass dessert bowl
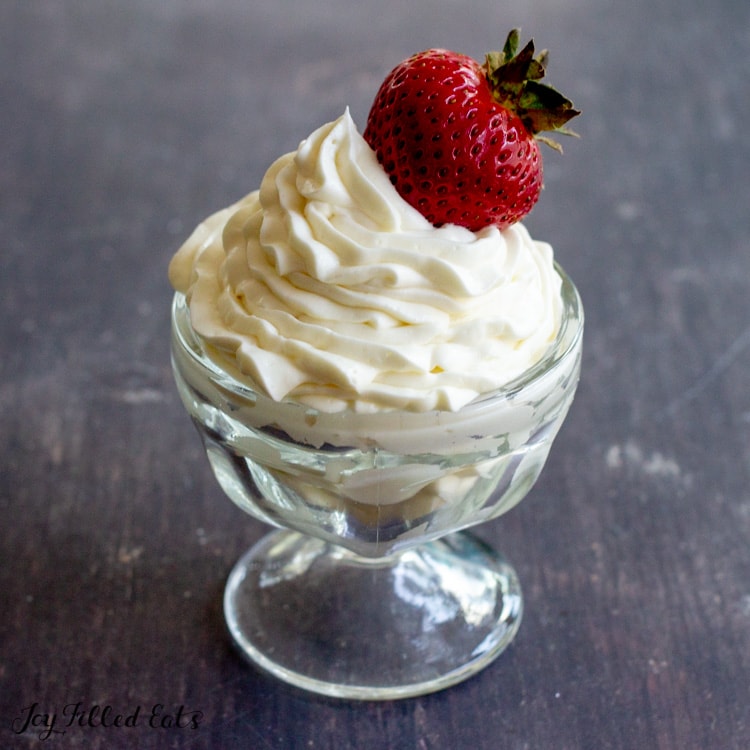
[(371, 588)]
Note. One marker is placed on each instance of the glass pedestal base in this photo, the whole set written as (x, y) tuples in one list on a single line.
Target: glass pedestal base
[(327, 620)]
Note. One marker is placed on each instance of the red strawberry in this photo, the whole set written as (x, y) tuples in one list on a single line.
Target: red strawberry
[(460, 141)]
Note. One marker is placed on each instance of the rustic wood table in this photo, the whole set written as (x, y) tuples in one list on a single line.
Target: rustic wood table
[(124, 123)]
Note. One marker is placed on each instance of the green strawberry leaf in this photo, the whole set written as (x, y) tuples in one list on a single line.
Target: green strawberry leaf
[(514, 78)]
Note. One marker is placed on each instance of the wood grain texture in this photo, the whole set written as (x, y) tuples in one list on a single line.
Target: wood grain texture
[(124, 124)]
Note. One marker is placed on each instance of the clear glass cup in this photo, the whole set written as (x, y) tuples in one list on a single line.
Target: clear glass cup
[(371, 588)]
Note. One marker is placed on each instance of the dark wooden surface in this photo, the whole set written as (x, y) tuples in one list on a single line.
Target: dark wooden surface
[(124, 123)]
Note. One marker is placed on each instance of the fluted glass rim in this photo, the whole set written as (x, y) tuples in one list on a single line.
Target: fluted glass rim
[(567, 342)]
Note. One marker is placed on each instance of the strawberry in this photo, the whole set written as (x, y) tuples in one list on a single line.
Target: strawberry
[(460, 140)]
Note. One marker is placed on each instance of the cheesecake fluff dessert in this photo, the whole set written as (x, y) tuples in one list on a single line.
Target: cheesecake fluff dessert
[(328, 288), (359, 362), (377, 354)]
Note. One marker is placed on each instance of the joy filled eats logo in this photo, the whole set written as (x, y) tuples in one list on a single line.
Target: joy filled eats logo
[(48, 724)]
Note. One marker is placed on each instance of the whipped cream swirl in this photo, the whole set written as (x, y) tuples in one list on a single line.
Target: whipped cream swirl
[(327, 288)]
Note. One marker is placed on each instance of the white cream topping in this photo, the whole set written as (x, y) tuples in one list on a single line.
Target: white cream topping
[(327, 288)]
